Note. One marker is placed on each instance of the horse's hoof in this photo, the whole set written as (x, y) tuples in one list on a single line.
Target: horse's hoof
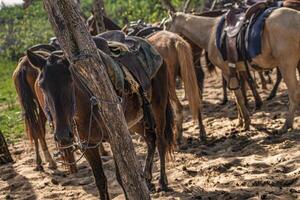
[(151, 186), (240, 124), (258, 105), (179, 141), (270, 97), (52, 165), (224, 102), (203, 138), (164, 189), (39, 168), (246, 126)]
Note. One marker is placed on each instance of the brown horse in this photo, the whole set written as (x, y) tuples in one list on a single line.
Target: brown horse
[(24, 78), (178, 56), (67, 98)]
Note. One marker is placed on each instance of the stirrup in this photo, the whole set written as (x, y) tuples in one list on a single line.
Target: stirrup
[(234, 88)]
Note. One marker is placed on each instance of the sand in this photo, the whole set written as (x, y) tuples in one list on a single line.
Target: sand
[(234, 164)]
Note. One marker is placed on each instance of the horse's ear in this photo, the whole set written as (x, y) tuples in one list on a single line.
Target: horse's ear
[(171, 14), (36, 60)]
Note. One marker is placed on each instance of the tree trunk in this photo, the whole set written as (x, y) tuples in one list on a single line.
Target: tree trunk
[(98, 10), (5, 156), (81, 51), (168, 5)]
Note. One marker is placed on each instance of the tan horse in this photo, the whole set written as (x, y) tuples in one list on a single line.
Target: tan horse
[(280, 47), (178, 56)]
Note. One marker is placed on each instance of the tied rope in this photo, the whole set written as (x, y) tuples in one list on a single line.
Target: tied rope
[(83, 146)]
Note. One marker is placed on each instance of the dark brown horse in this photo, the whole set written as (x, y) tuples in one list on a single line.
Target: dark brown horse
[(24, 78), (67, 99)]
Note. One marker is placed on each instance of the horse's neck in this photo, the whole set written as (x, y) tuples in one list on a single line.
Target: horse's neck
[(197, 29)]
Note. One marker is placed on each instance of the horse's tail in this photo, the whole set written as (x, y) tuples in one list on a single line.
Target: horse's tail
[(210, 67), (169, 134), (188, 75), (27, 99)]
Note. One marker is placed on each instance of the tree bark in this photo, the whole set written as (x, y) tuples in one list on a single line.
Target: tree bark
[(98, 10), (168, 5), (81, 51), (5, 156)]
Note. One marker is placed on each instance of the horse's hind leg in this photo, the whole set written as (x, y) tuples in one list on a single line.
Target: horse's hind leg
[(275, 88), (38, 158), (225, 96), (252, 85), (150, 138), (93, 157), (176, 106), (244, 90), (263, 80), (42, 135), (290, 78)]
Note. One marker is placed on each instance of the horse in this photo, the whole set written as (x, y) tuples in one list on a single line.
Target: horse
[(245, 76), (24, 78), (177, 53), (178, 56), (279, 48), (61, 89)]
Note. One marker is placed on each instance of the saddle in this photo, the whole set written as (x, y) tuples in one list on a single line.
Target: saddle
[(140, 58), (235, 20)]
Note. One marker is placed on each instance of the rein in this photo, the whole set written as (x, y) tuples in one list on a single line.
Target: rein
[(84, 145)]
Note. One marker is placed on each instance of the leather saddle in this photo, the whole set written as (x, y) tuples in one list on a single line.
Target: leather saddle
[(235, 19), (135, 59), (119, 36)]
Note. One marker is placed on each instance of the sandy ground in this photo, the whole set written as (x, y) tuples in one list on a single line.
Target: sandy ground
[(257, 164)]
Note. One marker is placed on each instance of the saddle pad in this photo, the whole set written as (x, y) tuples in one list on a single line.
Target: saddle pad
[(142, 63), (114, 72), (253, 36)]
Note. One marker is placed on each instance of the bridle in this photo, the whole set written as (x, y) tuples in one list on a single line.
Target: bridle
[(78, 144)]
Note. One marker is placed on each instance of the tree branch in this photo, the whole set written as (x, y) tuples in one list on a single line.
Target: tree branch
[(98, 10), (168, 5), (187, 5)]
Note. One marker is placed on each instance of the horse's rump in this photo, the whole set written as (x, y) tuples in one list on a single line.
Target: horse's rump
[(27, 98), (294, 4)]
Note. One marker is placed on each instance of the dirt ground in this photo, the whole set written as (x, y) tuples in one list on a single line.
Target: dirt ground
[(257, 164)]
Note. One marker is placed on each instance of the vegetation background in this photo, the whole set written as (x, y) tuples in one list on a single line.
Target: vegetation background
[(22, 28)]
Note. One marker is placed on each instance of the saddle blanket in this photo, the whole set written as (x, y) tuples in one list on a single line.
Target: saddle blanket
[(251, 45), (143, 64)]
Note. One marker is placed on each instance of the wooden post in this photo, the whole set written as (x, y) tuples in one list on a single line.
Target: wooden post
[(5, 156), (80, 50), (98, 10)]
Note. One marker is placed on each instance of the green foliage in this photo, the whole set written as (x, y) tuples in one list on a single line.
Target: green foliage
[(10, 113), (21, 29)]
